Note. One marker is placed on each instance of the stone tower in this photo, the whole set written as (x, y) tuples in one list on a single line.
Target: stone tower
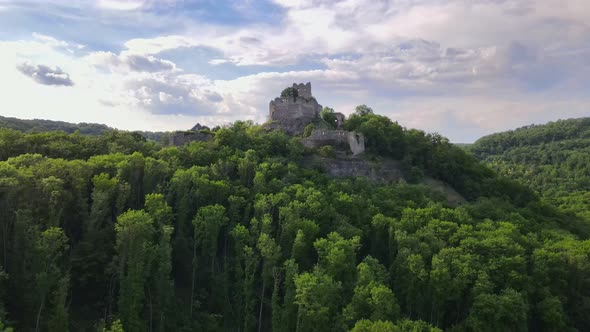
[(304, 90), (292, 115)]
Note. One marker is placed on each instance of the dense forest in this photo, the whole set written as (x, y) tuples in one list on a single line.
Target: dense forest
[(552, 159), (113, 232), (41, 126)]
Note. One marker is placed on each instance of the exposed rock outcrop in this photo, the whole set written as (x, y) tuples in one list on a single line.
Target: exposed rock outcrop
[(385, 171)]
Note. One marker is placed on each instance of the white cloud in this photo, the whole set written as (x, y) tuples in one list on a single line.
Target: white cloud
[(459, 67), (45, 75), (217, 61), (129, 62), (122, 4)]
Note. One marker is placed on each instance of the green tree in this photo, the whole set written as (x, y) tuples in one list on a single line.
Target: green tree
[(329, 116), (337, 257), (162, 297), (50, 277), (290, 93), (207, 225), (372, 299), (270, 253), (506, 311), (363, 110), (317, 297), (135, 254)]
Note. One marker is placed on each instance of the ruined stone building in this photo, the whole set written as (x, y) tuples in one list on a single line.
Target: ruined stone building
[(351, 140), (293, 114), (198, 133)]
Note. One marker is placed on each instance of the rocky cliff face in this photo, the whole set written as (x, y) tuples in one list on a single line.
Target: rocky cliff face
[(387, 171)]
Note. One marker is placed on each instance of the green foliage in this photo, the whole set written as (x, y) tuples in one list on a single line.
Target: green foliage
[(39, 126), (308, 129), (552, 159), (432, 155), (328, 115), (116, 326), (317, 298), (363, 110), (135, 255), (327, 151), (238, 234), (90, 129), (290, 92), (506, 311), (387, 326)]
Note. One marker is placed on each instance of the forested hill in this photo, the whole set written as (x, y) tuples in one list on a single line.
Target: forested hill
[(42, 126), (37, 125), (115, 233), (552, 159)]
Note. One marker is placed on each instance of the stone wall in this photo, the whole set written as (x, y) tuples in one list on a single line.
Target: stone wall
[(293, 115), (304, 90), (385, 172), (339, 139), (180, 138), (340, 120), (282, 109), (356, 142)]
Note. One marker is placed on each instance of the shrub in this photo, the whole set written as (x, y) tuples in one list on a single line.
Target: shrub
[(307, 130), (290, 92), (327, 151)]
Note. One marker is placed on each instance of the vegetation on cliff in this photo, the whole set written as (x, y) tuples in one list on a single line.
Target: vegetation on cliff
[(114, 232)]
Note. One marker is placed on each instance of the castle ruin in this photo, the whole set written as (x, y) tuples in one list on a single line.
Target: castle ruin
[(351, 140), (293, 114)]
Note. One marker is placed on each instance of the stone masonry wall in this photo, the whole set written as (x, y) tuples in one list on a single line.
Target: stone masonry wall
[(293, 115), (340, 139), (180, 138)]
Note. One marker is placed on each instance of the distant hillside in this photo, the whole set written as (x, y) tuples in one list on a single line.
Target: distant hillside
[(40, 126), (553, 159)]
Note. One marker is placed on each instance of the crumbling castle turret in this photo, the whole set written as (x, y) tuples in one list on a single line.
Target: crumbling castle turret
[(293, 114)]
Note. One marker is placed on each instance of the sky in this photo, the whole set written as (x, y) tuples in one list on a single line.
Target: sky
[(461, 68)]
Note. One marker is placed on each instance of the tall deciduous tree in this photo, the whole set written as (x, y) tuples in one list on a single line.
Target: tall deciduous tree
[(135, 253), (51, 278), (318, 298), (207, 225)]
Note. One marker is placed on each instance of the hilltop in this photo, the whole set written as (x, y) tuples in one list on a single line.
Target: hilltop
[(552, 159), (93, 129)]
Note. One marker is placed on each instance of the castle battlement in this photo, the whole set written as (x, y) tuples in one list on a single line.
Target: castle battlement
[(304, 90)]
